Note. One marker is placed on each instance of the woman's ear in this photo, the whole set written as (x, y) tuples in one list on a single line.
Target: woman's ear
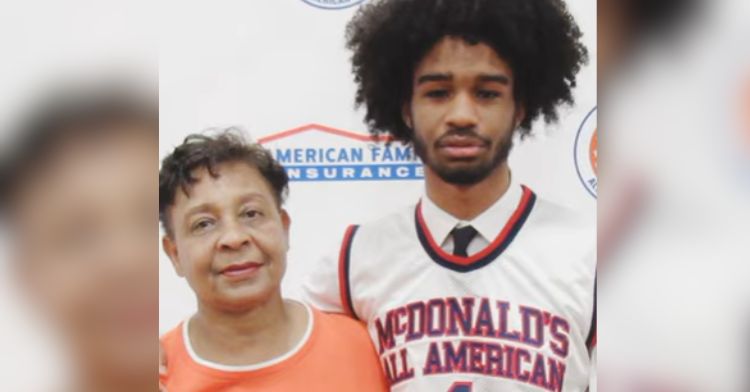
[(286, 222), (170, 248)]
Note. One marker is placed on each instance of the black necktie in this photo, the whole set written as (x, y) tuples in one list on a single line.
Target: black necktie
[(461, 239)]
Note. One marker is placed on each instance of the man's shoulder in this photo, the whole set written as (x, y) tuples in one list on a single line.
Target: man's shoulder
[(392, 223), (554, 230), (552, 215)]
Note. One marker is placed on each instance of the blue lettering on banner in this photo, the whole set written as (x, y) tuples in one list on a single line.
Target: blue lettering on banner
[(330, 154), (318, 155), (354, 172)]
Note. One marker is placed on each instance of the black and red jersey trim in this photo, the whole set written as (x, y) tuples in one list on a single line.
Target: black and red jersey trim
[(488, 254), (345, 288), (591, 338)]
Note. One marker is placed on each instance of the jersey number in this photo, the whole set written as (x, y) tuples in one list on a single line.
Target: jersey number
[(460, 386)]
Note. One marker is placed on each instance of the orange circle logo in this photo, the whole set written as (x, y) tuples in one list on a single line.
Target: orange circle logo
[(586, 153), (593, 152)]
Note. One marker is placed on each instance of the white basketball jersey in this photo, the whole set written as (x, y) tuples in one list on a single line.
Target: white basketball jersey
[(517, 316)]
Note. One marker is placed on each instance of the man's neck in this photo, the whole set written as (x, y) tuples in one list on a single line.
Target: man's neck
[(244, 338), (466, 202)]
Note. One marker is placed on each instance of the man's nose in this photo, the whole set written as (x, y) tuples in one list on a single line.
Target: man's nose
[(462, 112)]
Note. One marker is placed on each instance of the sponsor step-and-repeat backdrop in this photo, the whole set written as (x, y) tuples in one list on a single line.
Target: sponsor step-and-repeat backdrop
[(279, 70)]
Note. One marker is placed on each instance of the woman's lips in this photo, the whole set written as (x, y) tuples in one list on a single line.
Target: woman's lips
[(241, 270)]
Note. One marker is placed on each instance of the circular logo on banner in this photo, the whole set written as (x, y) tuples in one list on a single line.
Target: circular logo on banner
[(333, 4), (586, 153)]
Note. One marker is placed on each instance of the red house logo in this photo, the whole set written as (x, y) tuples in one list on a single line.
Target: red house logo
[(316, 152)]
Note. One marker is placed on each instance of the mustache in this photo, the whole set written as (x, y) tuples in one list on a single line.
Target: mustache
[(466, 132)]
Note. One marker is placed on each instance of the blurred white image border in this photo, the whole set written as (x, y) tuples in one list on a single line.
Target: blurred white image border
[(674, 201), (48, 48)]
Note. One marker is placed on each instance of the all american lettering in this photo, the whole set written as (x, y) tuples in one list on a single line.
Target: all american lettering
[(473, 335)]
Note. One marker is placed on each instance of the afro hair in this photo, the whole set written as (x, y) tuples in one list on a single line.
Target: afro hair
[(538, 38)]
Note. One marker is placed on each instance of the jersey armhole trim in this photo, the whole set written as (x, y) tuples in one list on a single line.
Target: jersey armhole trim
[(344, 270), (591, 339)]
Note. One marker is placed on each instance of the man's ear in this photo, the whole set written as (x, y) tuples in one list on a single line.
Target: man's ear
[(406, 115), (286, 221), (520, 115), (170, 248)]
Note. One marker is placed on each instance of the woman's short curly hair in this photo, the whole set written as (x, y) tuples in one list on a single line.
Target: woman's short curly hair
[(201, 151), (538, 38)]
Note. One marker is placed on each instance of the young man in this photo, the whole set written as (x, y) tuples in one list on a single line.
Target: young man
[(482, 285), (78, 203), (220, 203)]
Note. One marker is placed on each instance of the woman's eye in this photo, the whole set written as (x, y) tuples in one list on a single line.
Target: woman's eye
[(251, 214), (201, 225)]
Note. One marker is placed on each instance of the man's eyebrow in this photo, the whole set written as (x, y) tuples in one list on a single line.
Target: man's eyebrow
[(434, 77), (497, 78), (444, 77)]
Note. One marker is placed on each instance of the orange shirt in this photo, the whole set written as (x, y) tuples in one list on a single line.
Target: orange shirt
[(335, 355)]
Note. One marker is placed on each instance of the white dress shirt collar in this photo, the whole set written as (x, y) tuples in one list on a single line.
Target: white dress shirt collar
[(488, 224)]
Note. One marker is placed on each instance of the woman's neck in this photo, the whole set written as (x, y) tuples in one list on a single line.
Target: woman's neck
[(248, 337)]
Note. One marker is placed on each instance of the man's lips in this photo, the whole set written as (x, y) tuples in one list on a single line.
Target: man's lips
[(241, 270), (462, 146)]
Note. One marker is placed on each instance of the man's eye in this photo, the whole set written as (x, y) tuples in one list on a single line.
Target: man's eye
[(442, 93), (487, 94)]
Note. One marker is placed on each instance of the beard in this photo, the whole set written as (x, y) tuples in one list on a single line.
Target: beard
[(465, 171)]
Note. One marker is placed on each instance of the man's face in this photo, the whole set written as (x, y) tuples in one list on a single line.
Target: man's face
[(462, 111), (230, 237), (85, 234)]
